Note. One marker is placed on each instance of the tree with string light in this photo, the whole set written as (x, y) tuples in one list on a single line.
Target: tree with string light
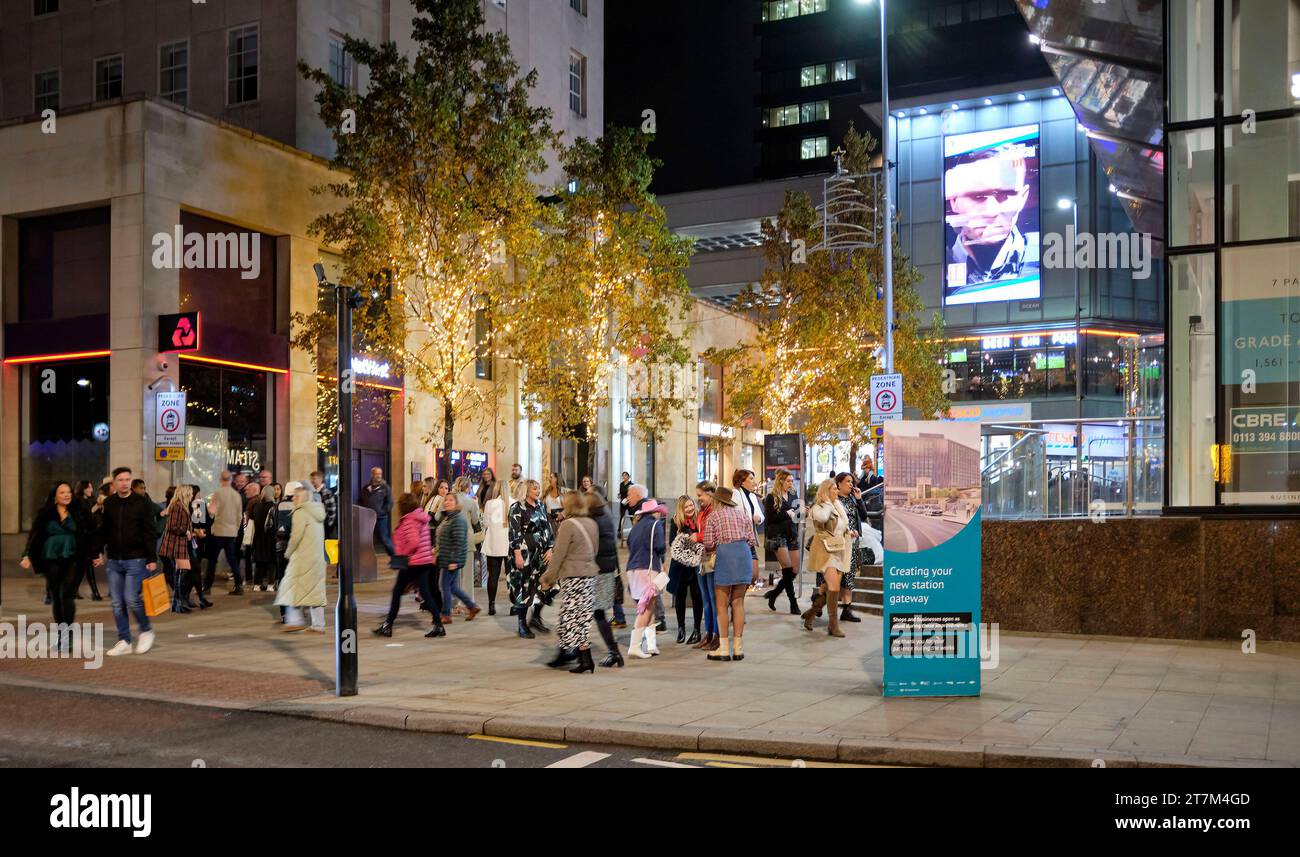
[(608, 289), (439, 152), (822, 325)]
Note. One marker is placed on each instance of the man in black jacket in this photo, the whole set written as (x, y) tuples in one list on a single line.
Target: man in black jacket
[(128, 540)]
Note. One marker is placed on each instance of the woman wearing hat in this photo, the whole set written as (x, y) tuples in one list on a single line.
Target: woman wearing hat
[(729, 535), (829, 554), (646, 544)]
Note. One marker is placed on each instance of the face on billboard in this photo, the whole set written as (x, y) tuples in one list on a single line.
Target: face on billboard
[(990, 185)]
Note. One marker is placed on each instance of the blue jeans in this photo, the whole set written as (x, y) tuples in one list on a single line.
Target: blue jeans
[(710, 604), (451, 586), (125, 577), (383, 534)]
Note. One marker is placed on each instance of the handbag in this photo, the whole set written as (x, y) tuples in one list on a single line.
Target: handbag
[(154, 591), (660, 581), (686, 550)]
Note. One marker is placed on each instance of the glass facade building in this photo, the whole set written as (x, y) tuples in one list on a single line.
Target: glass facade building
[(1232, 123)]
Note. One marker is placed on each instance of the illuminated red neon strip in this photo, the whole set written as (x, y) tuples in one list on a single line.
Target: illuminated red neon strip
[(233, 363), (49, 358)]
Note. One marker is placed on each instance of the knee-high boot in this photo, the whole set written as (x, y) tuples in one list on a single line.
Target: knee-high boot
[(815, 611)]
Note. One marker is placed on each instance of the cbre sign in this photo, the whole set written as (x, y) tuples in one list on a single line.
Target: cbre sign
[(178, 331)]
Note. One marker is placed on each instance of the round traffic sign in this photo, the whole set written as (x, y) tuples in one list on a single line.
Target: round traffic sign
[(885, 401), (170, 420)]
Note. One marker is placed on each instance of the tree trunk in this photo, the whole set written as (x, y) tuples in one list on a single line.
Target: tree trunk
[(853, 457), (448, 436)]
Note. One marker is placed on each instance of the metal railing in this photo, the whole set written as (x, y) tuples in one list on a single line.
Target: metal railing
[(1039, 469)]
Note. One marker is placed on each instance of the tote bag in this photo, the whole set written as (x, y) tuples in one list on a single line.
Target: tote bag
[(156, 600)]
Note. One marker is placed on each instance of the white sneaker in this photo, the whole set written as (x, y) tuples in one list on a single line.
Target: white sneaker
[(122, 648), (145, 643)]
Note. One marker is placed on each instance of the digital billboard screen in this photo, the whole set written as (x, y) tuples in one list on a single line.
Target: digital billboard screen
[(991, 233)]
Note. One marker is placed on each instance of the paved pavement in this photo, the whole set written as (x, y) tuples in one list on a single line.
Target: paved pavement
[(1051, 699)]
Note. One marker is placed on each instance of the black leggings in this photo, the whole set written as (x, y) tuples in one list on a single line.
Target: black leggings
[(419, 575), (606, 632), (88, 573), (697, 602), (61, 579), (495, 564)]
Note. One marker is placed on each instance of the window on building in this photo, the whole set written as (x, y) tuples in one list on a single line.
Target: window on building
[(45, 90), (814, 111), (236, 401), (342, 68), (813, 147), (578, 83), (108, 78), (174, 72), (579, 6), (779, 10), (63, 265), (241, 64), (65, 434), (812, 75), (779, 117), (44, 7), (845, 70)]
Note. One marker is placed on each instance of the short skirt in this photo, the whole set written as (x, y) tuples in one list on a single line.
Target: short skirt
[(735, 564)]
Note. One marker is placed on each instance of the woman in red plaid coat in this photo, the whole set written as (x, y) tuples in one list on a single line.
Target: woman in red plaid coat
[(175, 545)]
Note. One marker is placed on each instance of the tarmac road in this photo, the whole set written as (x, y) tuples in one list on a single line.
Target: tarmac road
[(54, 729), (912, 532)]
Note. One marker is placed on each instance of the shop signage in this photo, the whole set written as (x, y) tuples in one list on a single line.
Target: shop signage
[(247, 459), (784, 452), (886, 397), (169, 426), (1010, 412), (178, 332), (932, 559), (1264, 430)]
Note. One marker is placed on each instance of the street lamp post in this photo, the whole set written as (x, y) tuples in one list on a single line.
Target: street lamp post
[(889, 193), (345, 610), (1079, 366)]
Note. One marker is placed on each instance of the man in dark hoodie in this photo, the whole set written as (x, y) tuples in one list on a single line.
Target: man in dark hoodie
[(128, 540)]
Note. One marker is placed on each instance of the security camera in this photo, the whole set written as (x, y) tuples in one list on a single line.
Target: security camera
[(162, 364), (321, 279)]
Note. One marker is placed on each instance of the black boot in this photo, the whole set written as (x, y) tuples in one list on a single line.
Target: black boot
[(846, 615), (585, 663), (661, 626), (681, 634), (523, 630), (613, 659), (771, 599), (438, 631), (693, 638), (563, 658), (492, 609), (384, 630), (536, 622)]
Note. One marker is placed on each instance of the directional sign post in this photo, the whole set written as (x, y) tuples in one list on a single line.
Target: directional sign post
[(169, 427), (886, 397)]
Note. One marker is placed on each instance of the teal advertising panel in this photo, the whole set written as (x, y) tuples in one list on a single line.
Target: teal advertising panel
[(932, 559)]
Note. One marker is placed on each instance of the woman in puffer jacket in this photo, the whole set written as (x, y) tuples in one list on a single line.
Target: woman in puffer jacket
[(411, 541)]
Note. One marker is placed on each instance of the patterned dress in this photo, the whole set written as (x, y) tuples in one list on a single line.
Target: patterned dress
[(854, 510), (530, 534)]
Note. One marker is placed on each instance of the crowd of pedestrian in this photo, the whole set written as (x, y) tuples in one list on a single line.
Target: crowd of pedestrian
[(558, 547)]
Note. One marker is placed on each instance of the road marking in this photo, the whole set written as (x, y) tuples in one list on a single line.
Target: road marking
[(393, 645), (195, 636), (723, 760), (580, 760), (519, 741), (662, 764)]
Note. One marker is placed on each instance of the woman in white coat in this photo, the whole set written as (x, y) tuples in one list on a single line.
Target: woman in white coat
[(744, 484), (496, 539), (830, 553), (303, 586)]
